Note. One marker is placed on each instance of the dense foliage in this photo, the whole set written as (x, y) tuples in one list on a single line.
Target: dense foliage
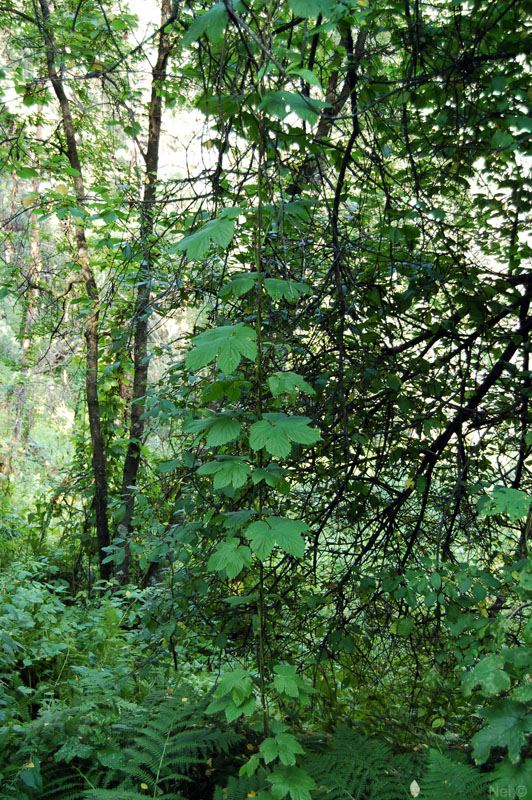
[(265, 349)]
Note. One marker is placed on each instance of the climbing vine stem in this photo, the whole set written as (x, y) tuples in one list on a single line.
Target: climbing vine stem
[(259, 410)]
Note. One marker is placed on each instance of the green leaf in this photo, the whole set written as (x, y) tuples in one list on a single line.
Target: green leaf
[(230, 557), (279, 104), (489, 674), (213, 23), (287, 681), (273, 476), (251, 766), (284, 746), (230, 680), (168, 466), (220, 428), (228, 470), (220, 231), (291, 780), (233, 695), (508, 724), (512, 780), (435, 580), (405, 626), (307, 76), (288, 382), (525, 580), (285, 533), (309, 8), (523, 693), (269, 750), (505, 500), (223, 106), (72, 748), (223, 429), (27, 172), (276, 432), (262, 539), (521, 123), (234, 519), (30, 775), (288, 747), (218, 704), (234, 712), (264, 434), (241, 691), (240, 285), (230, 387), (229, 344), (289, 290), (501, 140), (499, 82)]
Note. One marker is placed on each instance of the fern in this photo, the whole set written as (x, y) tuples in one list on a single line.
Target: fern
[(62, 787), (169, 749), (358, 767), (127, 794), (446, 780), (242, 788), (351, 766)]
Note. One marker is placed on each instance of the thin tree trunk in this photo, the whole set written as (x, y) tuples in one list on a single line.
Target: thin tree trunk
[(22, 423), (6, 466), (99, 463), (140, 345)]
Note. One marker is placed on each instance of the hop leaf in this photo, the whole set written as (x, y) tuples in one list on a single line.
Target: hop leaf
[(213, 23), (220, 428), (510, 780), (220, 231), (306, 108), (489, 673), (289, 290), (230, 680), (228, 344), (508, 724), (286, 533), (505, 500), (291, 780), (309, 8), (284, 746), (276, 432), (230, 557), (228, 470), (288, 682), (239, 285), (288, 382)]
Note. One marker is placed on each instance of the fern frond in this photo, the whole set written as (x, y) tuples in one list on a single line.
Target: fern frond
[(165, 750), (65, 787), (240, 788), (124, 794), (358, 767), (445, 779)]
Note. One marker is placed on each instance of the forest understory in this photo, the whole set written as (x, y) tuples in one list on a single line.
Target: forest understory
[(265, 388)]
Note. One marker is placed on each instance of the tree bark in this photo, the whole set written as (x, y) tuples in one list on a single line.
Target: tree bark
[(99, 461), (142, 305)]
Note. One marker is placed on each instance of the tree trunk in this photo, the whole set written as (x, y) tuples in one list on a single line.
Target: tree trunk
[(99, 464), (142, 305)]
